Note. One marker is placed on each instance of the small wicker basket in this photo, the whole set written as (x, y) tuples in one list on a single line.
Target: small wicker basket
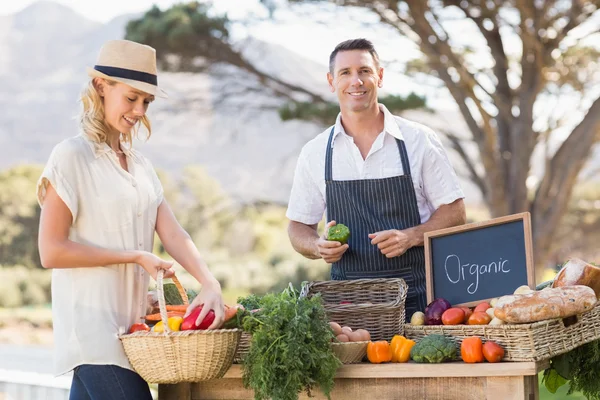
[(376, 305), (243, 348), (186, 356), (350, 352), (537, 341)]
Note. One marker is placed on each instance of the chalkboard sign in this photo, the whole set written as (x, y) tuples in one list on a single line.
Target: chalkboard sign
[(476, 262)]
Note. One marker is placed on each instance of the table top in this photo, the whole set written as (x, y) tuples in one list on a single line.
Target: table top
[(415, 370)]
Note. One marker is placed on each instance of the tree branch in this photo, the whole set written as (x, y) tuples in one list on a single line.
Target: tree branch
[(473, 175), (564, 169)]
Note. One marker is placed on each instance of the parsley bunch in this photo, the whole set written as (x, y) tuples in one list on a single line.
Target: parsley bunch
[(580, 368), (291, 347)]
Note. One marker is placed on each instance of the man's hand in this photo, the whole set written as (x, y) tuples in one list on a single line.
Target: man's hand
[(392, 243), (330, 251)]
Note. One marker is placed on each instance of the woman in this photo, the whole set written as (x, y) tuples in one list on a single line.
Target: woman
[(101, 204)]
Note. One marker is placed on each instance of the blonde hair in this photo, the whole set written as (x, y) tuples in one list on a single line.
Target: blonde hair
[(91, 117)]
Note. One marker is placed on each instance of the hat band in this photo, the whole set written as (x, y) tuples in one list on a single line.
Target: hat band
[(127, 74)]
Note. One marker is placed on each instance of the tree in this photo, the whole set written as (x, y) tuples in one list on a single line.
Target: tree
[(189, 39), (501, 94)]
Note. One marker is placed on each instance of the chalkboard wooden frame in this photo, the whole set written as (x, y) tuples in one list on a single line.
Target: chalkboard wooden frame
[(430, 236)]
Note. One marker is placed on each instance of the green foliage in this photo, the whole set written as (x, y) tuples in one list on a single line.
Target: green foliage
[(186, 30), (250, 302), (325, 113), (434, 349), (291, 348), (23, 286), (580, 368), (19, 216)]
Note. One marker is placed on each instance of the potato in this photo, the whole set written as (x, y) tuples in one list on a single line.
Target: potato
[(417, 318), (524, 289), (490, 312), (342, 338), (346, 330), (336, 328)]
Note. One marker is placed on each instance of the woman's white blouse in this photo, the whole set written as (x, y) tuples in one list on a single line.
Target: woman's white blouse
[(112, 209)]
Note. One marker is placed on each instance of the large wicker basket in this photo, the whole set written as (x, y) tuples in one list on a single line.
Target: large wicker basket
[(376, 305), (186, 356), (524, 342)]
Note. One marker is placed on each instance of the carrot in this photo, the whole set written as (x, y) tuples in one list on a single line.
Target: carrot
[(181, 308), (230, 312), (156, 317)]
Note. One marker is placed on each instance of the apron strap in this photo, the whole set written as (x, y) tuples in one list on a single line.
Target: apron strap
[(329, 156)]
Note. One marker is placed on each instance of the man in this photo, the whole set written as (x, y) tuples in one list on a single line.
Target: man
[(388, 179)]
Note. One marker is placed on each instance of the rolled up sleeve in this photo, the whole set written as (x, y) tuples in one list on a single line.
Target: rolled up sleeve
[(59, 172), (440, 182), (306, 204)]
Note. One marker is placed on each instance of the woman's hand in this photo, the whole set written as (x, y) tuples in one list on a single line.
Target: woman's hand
[(210, 298), (152, 264)]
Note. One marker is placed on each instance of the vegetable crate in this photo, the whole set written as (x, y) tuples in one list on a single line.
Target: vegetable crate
[(186, 356), (376, 305), (524, 342)]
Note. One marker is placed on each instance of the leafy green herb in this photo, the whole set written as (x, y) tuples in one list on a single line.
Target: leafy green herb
[(553, 380), (250, 302), (580, 367), (291, 347)]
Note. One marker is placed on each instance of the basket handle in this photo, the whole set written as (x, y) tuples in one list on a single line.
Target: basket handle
[(162, 304)]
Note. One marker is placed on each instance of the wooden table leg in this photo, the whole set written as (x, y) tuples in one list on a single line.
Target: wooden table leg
[(512, 388)]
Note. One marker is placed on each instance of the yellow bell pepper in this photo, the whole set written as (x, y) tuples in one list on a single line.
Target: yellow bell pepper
[(400, 347), (174, 324)]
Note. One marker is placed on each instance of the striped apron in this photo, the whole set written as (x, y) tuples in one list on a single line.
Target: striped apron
[(372, 205)]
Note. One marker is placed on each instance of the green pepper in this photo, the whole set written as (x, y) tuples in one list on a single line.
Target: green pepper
[(339, 233)]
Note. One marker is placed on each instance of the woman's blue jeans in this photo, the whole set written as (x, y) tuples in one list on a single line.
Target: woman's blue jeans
[(107, 382)]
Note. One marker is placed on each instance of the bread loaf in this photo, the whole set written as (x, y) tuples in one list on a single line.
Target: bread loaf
[(578, 272), (546, 304)]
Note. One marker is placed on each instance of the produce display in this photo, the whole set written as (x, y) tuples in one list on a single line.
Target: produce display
[(292, 338)]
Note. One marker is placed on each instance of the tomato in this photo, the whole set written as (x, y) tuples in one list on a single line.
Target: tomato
[(479, 318), (493, 352), (471, 350), (453, 316), (467, 311), (139, 327), (482, 306)]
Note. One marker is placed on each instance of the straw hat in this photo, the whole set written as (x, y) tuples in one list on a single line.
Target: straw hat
[(128, 62)]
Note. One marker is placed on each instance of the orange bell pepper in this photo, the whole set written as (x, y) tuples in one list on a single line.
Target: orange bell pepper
[(400, 348), (379, 352), (471, 350)]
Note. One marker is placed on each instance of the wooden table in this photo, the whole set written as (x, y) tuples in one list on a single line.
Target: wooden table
[(448, 381)]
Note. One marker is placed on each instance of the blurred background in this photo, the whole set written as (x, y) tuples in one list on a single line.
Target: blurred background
[(512, 89)]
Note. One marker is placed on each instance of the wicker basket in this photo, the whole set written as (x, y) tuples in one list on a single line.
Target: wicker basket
[(187, 356), (243, 348), (376, 305), (350, 352), (524, 342)]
